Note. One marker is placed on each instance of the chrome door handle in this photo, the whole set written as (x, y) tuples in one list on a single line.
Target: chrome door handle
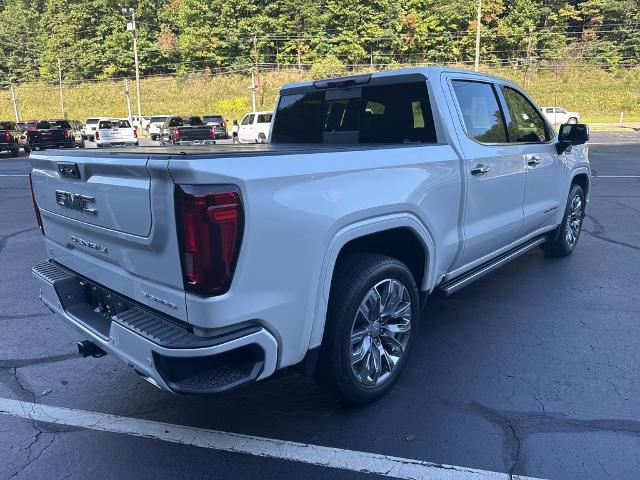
[(480, 170), (534, 161)]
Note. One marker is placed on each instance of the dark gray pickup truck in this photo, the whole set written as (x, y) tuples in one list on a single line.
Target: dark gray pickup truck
[(186, 131)]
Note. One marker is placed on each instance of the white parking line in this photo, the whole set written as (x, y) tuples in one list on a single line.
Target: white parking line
[(630, 142), (616, 176), (351, 460)]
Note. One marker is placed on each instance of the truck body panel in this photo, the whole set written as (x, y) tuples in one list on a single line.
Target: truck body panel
[(441, 173)]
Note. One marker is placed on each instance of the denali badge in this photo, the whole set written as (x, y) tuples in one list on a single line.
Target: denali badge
[(75, 201), (158, 299), (85, 243)]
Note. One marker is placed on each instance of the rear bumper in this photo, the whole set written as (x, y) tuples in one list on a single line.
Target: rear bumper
[(194, 142), (102, 143), (164, 352), (69, 143)]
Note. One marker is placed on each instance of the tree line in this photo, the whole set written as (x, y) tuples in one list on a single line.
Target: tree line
[(91, 40)]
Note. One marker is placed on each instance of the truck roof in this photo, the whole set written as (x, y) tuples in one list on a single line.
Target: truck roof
[(426, 71)]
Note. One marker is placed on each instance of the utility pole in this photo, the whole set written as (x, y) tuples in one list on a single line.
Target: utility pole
[(131, 26), (253, 89), (126, 92), (478, 27), (527, 66), (254, 73), (64, 115), (14, 100)]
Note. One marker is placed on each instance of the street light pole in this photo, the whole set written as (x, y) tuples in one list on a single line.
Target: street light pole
[(14, 100), (64, 115), (131, 26), (478, 27), (128, 95)]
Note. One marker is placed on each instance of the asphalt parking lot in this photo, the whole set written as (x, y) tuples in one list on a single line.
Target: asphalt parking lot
[(532, 371)]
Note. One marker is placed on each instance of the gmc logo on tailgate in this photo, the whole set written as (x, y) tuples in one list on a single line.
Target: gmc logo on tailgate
[(75, 201)]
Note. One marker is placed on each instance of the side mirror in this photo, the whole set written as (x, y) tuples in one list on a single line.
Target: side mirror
[(572, 134)]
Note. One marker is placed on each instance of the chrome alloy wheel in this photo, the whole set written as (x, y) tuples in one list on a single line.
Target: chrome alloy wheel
[(574, 221), (380, 332)]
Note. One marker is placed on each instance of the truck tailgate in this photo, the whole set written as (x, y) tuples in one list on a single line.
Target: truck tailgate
[(110, 217), (195, 133), (116, 193)]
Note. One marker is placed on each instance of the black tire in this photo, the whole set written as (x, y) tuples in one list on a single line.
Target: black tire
[(26, 149), (561, 243), (354, 278), (262, 138), (236, 140), (15, 151)]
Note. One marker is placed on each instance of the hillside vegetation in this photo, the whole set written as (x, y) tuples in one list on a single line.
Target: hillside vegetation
[(598, 94)]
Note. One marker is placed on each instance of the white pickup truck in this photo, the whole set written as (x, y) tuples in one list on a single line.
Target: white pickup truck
[(206, 268)]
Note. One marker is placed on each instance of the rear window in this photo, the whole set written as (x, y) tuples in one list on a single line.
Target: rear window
[(265, 118), (398, 113), (7, 126), (91, 121), (105, 124), (43, 126), (60, 125), (213, 119), (158, 119), (185, 122)]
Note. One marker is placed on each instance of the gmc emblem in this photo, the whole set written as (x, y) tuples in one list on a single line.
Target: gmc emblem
[(75, 201)]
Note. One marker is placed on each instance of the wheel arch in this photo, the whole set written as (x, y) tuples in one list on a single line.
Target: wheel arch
[(372, 234), (582, 179)]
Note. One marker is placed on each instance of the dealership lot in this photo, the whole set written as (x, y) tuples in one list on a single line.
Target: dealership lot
[(531, 371)]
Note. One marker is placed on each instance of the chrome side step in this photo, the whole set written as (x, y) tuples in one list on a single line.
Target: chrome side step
[(455, 284)]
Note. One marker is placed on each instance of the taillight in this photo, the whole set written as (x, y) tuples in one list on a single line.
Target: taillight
[(210, 222), (135, 133), (176, 134), (212, 132), (7, 136), (66, 133), (97, 135), (35, 206)]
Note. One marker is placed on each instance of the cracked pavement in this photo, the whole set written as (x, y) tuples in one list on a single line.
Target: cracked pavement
[(530, 371)]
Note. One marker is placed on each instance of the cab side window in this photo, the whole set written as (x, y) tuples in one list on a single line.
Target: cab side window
[(481, 113), (526, 125)]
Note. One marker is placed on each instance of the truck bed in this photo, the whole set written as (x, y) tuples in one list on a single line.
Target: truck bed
[(242, 150)]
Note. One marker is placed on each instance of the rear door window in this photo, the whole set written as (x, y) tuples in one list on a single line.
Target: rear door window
[(526, 124), (397, 113), (481, 113)]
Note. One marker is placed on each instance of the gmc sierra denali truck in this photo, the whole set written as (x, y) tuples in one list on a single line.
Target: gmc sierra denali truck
[(206, 268)]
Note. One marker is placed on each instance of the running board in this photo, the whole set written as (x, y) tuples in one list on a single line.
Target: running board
[(455, 284)]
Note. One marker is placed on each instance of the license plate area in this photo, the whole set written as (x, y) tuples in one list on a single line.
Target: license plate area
[(90, 304)]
